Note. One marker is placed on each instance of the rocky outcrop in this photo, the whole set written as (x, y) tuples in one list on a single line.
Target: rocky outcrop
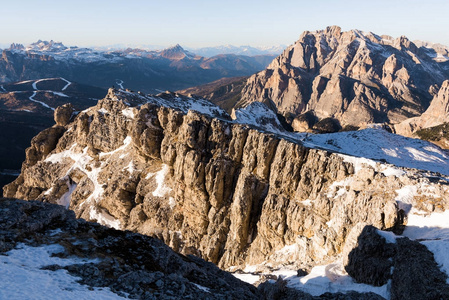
[(436, 114), (355, 77), (408, 265), (206, 186), (63, 114), (370, 259)]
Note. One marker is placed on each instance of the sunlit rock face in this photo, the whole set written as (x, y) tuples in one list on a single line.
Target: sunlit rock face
[(354, 77), (180, 169)]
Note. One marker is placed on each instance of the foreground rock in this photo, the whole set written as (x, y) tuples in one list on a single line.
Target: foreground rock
[(127, 263), (408, 265), (230, 194)]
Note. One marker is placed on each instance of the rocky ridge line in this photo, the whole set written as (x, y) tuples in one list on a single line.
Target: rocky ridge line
[(230, 194)]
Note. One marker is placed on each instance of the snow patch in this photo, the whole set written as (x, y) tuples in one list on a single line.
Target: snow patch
[(22, 277), (203, 288), (341, 186), (128, 112), (331, 278), (67, 197), (81, 160), (171, 202), (259, 115), (49, 191), (389, 236), (130, 167), (162, 189), (440, 250), (380, 145), (405, 197), (391, 171), (185, 104), (432, 230), (421, 226), (248, 278), (307, 202), (103, 110), (104, 218), (126, 142), (358, 162)]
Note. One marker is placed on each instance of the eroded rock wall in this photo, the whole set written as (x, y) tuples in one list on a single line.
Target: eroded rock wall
[(205, 186)]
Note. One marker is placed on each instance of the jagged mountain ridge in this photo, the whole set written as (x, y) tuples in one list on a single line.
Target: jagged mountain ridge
[(355, 77), (148, 71), (234, 195)]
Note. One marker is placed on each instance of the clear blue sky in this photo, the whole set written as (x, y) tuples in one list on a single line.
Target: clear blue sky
[(197, 23)]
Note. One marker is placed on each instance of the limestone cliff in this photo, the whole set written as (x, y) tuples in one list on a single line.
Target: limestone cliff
[(354, 77), (209, 186)]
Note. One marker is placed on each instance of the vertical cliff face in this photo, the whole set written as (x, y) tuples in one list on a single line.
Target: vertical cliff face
[(353, 76), (233, 195)]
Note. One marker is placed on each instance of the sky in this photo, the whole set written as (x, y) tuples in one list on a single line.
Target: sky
[(198, 23)]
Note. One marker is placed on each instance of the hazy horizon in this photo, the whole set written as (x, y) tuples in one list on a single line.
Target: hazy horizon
[(197, 23)]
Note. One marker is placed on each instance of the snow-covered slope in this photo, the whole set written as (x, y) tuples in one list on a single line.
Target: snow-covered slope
[(257, 114), (380, 145), (372, 144), (175, 101)]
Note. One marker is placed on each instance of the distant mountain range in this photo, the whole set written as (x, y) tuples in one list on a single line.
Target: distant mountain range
[(202, 51), (144, 70), (238, 50)]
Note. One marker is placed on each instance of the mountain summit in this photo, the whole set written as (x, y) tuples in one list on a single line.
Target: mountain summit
[(353, 77), (176, 53), (50, 46)]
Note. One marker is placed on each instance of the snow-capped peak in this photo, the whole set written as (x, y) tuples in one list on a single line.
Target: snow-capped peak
[(50, 46), (176, 53)]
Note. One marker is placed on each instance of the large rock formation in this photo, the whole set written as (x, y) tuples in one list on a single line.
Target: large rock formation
[(205, 185), (354, 77)]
